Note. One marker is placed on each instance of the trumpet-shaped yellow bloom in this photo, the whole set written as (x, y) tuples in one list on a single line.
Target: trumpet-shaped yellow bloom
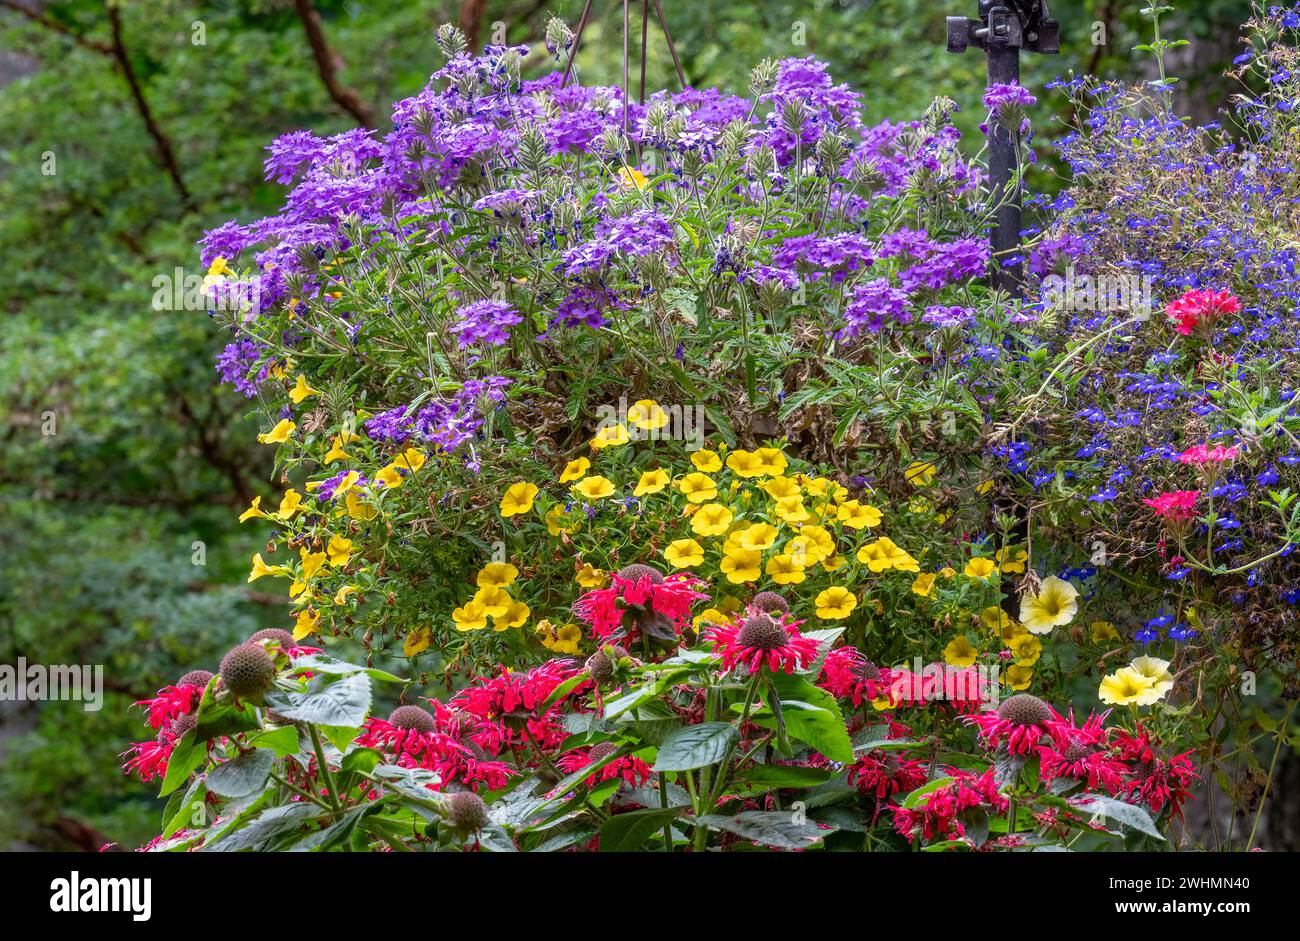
[(518, 498), (835, 603), (1055, 604), (684, 553), (281, 433)]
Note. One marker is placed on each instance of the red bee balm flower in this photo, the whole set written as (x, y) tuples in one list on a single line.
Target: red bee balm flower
[(640, 600), (939, 815), (630, 769), (1020, 721), (1200, 309), (761, 639)]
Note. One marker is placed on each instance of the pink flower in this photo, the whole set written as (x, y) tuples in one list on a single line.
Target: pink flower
[(763, 640), (1020, 721), (1177, 506), (1201, 454), (847, 674), (1196, 308), (640, 600), (628, 768), (939, 815), (1081, 753), (882, 775)]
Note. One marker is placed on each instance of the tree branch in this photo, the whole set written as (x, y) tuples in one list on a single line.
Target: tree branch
[(36, 16), (166, 155), (471, 19), (327, 63)]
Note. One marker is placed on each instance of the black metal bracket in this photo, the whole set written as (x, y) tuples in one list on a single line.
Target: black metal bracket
[(1021, 25)]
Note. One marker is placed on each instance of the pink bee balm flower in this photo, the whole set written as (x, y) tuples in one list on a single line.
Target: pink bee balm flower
[(1177, 506), (1019, 721), (640, 600), (1196, 308), (764, 640)]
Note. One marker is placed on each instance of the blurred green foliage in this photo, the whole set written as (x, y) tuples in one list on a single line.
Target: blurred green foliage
[(119, 450)]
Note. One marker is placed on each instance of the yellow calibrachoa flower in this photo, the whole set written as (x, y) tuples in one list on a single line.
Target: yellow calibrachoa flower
[(924, 584), (575, 470), (1055, 604), (301, 390), (611, 436), (1156, 671), (358, 509), (1011, 561), (410, 460), (784, 570), (746, 464), (960, 652), (219, 268), (812, 545), (279, 434), (336, 452), (834, 563), (884, 554), (496, 575), (760, 536), (417, 642), (741, 565), (646, 413), (254, 510), (518, 498), (341, 596), (588, 576), (290, 503), (919, 473), (824, 487), (1018, 677), (494, 600), (706, 461), (345, 484), (715, 616), (339, 551), (698, 488), (470, 617), (1026, 648), (1126, 686), (1102, 631), (791, 510), (856, 515), (305, 623), (312, 562), (515, 615), (712, 519), (260, 568), (948, 572), (684, 553), (297, 588), (979, 568), (594, 487), (555, 522), (564, 640), (652, 481), (630, 177), (390, 477), (772, 461), (835, 603), (779, 488)]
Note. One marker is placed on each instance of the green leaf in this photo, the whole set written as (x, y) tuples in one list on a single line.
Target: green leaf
[(785, 775), (821, 726), (242, 775), (695, 746), (344, 702), (283, 741), (187, 755), (913, 799), (627, 832), (780, 829), (1128, 814)]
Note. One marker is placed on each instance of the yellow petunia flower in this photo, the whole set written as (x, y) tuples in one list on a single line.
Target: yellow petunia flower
[(518, 498), (610, 436), (1102, 631), (588, 576), (565, 640), (1156, 671), (312, 563), (470, 617), (301, 390), (647, 414), (741, 565), (1011, 561), (496, 575), (857, 515), (779, 488), (712, 519), (631, 177), (556, 522), (760, 536), (698, 488), (884, 554), (339, 551), (290, 503), (791, 510), (417, 642), (960, 652), (979, 568), (515, 615), (1126, 686), (772, 461), (652, 481), (1018, 677), (390, 477), (1056, 604), (924, 584), (410, 460), (684, 553), (254, 510), (260, 568), (813, 544), (341, 596), (706, 461), (358, 509), (745, 464), (1026, 648), (336, 452), (305, 623), (494, 600), (785, 570), (835, 603), (594, 487), (575, 470), (279, 434)]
